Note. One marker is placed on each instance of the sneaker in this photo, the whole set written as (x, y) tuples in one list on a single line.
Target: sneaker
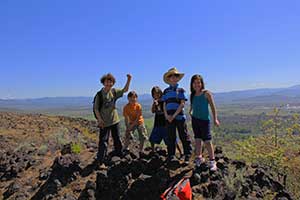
[(126, 149), (97, 159), (212, 165), (102, 167), (172, 159), (187, 159), (131, 137), (142, 154), (198, 161), (99, 165), (180, 157)]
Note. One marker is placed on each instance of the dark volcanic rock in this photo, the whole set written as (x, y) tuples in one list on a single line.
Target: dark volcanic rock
[(12, 189), (65, 169), (239, 164), (13, 163), (218, 150), (214, 188), (89, 193), (230, 195)]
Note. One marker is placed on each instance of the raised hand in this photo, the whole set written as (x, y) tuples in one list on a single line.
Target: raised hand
[(129, 76)]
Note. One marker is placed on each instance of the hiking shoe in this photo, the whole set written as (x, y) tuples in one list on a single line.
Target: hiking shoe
[(198, 161), (142, 154), (180, 157), (126, 149), (97, 159), (102, 166), (212, 165), (187, 159), (172, 159), (130, 137)]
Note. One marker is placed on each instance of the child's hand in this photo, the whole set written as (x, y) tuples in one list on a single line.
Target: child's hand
[(131, 127), (101, 123), (217, 123), (129, 76), (170, 118)]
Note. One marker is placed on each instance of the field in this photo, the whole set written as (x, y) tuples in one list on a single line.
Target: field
[(252, 133)]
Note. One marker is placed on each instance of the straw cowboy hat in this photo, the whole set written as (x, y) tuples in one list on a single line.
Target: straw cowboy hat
[(171, 72)]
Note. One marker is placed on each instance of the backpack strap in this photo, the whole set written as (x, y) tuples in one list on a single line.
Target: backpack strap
[(99, 95), (114, 93)]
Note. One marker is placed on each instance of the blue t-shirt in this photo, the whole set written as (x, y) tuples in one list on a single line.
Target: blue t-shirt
[(200, 107), (172, 97)]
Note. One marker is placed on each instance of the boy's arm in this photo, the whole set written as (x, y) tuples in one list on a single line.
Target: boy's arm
[(126, 122), (139, 113), (183, 98), (168, 117), (213, 107), (126, 87), (165, 111), (129, 126), (179, 109), (125, 117), (98, 115)]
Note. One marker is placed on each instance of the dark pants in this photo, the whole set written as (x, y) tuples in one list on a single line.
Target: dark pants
[(183, 135), (103, 141)]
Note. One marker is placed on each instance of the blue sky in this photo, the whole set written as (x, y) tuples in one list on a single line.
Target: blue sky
[(61, 48)]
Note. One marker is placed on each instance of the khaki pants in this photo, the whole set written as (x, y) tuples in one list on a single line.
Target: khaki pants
[(142, 131)]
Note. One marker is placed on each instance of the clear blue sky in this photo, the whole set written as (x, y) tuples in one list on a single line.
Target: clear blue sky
[(62, 47)]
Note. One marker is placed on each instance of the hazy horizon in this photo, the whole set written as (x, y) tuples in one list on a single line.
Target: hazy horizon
[(141, 94)]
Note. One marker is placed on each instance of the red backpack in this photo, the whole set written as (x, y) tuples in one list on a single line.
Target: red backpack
[(180, 191)]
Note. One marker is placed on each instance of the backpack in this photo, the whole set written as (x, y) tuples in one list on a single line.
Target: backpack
[(180, 191), (99, 93)]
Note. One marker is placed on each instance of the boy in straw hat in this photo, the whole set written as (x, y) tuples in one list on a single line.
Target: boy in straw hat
[(174, 100)]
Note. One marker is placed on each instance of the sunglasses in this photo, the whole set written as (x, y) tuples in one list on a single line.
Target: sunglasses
[(176, 75)]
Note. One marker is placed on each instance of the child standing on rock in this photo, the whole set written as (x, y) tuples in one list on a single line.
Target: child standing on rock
[(200, 101), (159, 131), (107, 116), (174, 99), (134, 120)]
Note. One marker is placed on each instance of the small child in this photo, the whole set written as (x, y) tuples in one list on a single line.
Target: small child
[(134, 121), (200, 99), (107, 115), (174, 99), (159, 131)]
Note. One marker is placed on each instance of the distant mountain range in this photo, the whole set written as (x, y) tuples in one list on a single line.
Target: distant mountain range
[(288, 95), (267, 96)]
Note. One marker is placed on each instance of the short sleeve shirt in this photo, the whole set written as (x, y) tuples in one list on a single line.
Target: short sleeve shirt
[(108, 110), (172, 97), (131, 111)]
